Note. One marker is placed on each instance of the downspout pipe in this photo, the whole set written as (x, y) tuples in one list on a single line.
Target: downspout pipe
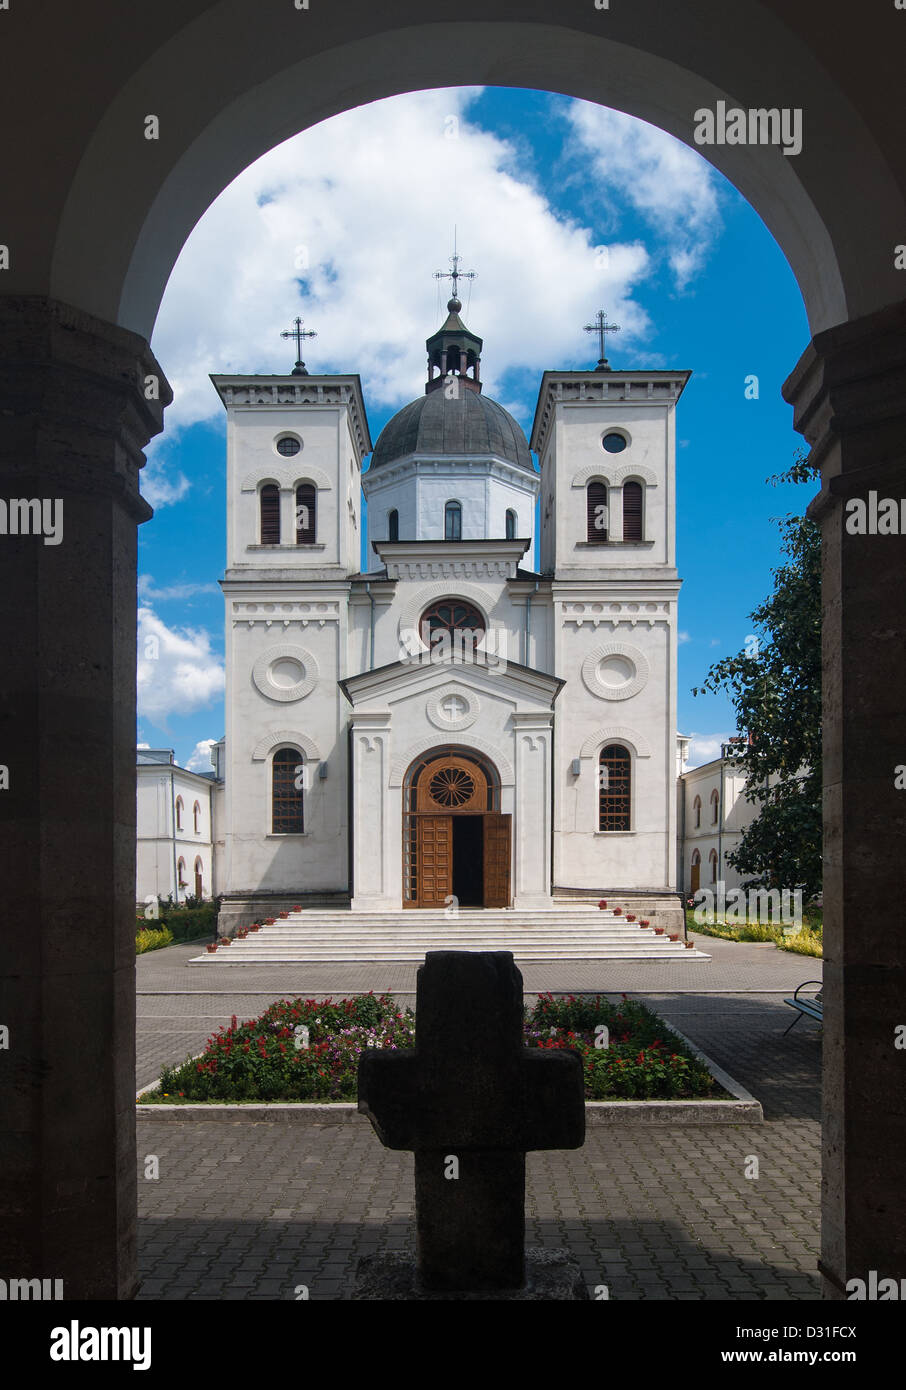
[(371, 600), (528, 614), (173, 813)]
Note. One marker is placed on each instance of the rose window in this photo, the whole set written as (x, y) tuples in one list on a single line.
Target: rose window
[(451, 787)]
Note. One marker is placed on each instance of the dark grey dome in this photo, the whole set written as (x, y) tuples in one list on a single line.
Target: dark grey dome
[(435, 424)]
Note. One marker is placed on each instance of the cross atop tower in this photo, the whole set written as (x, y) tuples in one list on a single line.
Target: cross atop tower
[(455, 275), (601, 326), (298, 332)]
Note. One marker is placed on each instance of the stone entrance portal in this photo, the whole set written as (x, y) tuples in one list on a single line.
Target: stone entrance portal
[(457, 847)]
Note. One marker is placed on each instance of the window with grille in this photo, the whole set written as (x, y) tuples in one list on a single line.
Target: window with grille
[(196, 816), (632, 512), (596, 495), (287, 816), (452, 522), (714, 803), (712, 860), (270, 514), (179, 813), (393, 525), (615, 787), (697, 808), (453, 617), (306, 521), (511, 525)]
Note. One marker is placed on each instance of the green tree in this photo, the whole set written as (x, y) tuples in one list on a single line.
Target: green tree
[(774, 684)]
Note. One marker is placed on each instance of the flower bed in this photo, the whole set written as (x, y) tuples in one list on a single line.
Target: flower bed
[(152, 939), (261, 1061), (643, 1059)]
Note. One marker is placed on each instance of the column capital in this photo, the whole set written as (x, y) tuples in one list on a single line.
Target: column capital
[(87, 397), (850, 385)]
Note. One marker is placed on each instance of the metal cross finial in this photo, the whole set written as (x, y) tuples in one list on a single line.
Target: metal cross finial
[(601, 326), (299, 333), (455, 274)]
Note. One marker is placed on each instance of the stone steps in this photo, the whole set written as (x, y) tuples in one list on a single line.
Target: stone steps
[(556, 933)]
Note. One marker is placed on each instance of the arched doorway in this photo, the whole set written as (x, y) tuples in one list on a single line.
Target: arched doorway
[(456, 843)]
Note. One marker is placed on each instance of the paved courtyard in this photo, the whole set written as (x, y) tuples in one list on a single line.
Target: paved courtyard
[(255, 1210)]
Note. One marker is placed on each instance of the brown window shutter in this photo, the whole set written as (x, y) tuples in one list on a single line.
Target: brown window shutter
[(632, 512), (306, 522), (597, 497), (270, 515)]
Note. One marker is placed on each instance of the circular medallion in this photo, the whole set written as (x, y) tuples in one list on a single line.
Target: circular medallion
[(286, 673), (452, 786)]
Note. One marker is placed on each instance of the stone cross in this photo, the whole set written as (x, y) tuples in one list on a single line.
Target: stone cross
[(470, 1100), (601, 326), (453, 706)]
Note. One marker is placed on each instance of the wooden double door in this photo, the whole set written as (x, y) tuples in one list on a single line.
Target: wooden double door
[(459, 850)]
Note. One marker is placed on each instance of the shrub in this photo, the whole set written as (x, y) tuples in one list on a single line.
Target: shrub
[(150, 939)]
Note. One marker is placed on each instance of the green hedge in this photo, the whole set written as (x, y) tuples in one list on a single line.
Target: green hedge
[(186, 923)]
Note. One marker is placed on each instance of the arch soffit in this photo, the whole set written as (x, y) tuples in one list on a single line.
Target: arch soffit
[(637, 743), (236, 126), (402, 761), (287, 479), (277, 737)]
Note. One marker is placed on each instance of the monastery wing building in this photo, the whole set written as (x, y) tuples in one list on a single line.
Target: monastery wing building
[(484, 713)]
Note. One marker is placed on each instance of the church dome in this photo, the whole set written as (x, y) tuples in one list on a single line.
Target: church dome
[(469, 423)]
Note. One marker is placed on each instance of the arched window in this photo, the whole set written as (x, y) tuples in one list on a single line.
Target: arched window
[(696, 859), (510, 524), (393, 525), (712, 860), (179, 809), (199, 876), (196, 817), (451, 624), (696, 871), (452, 522), (614, 800), (181, 873), (632, 512), (270, 514), (306, 514), (697, 809), (596, 506), (287, 779), (715, 802)]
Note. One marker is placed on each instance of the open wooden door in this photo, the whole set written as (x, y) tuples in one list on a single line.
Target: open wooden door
[(695, 876), (497, 840), (435, 860)]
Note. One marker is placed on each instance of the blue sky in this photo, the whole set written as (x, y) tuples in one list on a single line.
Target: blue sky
[(562, 208)]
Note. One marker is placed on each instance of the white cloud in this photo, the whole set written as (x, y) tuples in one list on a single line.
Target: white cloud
[(200, 757), (704, 748), (370, 199), (715, 642), (682, 637), (143, 745), (177, 670), (158, 487), (147, 590), (669, 184)]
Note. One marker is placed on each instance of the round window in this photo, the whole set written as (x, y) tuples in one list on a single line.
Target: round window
[(287, 446), (614, 443)]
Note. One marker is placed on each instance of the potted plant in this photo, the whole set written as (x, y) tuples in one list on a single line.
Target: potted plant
[(673, 936), (602, 903), (282, 915), (211, 946), (617, 912), (659, 931), (269, 921), (630, 917), (689, 945), (242, 933), (643, 922), (256, 926), (224, 941), (297, 908)]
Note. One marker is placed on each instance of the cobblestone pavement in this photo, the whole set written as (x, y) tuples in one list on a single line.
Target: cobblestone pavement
[(254, 1210)]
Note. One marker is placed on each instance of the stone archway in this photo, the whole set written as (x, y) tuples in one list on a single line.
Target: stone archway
[(457, 846), (93, 232)]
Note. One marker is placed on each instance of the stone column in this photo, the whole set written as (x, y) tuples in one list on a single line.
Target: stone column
[(849, 394), (532, 820), (75, 419), (371, 803)]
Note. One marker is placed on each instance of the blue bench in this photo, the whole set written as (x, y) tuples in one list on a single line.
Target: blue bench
[(813, 1007)]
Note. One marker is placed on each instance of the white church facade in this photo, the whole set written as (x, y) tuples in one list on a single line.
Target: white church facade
[(486, 712)]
